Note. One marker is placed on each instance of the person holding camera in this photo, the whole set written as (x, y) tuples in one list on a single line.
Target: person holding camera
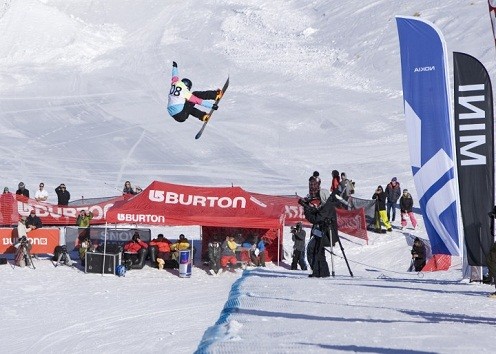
[(324, 221), (418, 254), (380, 210), (298, 235), (23, 244)]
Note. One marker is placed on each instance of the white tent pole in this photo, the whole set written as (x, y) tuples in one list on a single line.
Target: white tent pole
[(104, 248)]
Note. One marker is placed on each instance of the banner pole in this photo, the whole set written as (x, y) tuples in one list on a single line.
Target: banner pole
[(104, 248)]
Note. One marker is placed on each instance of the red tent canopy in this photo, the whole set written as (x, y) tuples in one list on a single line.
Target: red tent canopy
[(179, 205)]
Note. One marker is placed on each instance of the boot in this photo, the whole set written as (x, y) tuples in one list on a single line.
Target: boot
[(161, 263), (219, 94)]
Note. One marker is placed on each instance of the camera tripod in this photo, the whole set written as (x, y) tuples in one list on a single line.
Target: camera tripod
[(64, 255), (23, 254), (328, 232)]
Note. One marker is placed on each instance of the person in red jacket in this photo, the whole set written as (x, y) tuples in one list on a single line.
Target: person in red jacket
[(135, 252), (335, 180), (160, 251)]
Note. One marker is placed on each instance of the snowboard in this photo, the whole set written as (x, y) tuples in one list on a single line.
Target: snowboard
[(199, 134)]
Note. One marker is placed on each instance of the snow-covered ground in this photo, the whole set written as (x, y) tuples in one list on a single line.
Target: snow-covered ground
[(314, 86)]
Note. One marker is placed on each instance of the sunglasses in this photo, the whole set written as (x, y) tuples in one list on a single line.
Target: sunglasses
[(42, 185)]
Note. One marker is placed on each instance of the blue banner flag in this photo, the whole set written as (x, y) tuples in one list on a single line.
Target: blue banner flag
[(430, 131)]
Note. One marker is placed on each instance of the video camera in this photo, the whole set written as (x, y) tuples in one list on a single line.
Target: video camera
[(304, 201)]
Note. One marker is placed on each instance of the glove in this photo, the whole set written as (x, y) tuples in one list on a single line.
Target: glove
[(215, 106), (174, 64)]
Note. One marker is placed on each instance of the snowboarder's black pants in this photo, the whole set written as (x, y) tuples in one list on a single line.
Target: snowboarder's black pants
[(190, 109), (298, 258)]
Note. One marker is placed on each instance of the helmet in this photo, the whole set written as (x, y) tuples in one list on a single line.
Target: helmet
[(188, 83), (120, 270)]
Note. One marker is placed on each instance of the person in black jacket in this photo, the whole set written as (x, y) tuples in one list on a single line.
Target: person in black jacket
[(406, 208), (393, 192), (214, 253), (380, 210), (33, 221), (298, 235), (325, 224), (418, 254), (22, 190), (63, 195)]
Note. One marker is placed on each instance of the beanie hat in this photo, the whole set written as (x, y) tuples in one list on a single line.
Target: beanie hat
[(394, 179), (21, 184), (316, 173), (5, 189), (405, 190)]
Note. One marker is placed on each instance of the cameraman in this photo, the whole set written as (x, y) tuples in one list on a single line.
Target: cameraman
[(23, 245), (298, 236), (324, 222)]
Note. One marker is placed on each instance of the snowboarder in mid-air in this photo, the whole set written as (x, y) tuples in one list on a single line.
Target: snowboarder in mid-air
[(182, 101)]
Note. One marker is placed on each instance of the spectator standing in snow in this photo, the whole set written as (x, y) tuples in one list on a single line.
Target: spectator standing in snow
[(380, 210), (393, 193), (418, 254), (406, 209), (63, 195), (41, 194), (298, 235)]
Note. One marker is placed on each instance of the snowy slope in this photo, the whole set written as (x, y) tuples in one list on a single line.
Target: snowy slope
[(315, 85)]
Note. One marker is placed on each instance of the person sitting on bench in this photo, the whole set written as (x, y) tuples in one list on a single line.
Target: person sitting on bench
[(135, 252)]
